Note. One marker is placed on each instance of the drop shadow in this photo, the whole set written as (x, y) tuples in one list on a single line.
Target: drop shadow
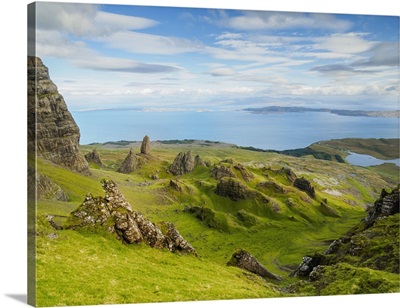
[(23, 298)]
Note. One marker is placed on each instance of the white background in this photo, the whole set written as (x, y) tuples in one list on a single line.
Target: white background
[(13, 218)]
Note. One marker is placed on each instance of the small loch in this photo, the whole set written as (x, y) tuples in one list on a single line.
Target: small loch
[(364, 160)]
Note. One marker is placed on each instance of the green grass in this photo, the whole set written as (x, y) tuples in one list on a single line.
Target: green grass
[(86, 267), (379, 148), (345, 279)]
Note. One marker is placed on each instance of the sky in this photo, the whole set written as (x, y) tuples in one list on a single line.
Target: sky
[(163, 58)]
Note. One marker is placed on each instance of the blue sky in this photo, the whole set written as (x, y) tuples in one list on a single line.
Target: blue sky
[(160, 58)]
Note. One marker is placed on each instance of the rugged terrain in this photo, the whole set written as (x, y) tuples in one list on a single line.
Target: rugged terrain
[(181, 220), (235, 199)]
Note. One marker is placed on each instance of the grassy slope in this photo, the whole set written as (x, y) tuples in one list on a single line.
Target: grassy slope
[(87, 268)]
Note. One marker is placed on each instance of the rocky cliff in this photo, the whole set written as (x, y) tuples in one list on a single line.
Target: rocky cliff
[(52, 131)]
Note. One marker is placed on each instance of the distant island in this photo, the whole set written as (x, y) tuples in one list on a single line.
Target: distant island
[(351, 113)]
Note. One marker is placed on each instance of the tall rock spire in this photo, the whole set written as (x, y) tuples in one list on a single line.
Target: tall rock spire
[(52, 131)]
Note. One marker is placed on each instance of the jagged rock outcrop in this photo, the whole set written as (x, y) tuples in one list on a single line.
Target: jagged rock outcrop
[(372, 243), (45, 187), (290, 175), (272, 185), (246, 174), (185, 163), (304, 185), (52, 131), (198, 161), (175, 185), (308, 264), (130, 164), (232, 188), (219, 172), (246, 261), (387, 204), (145, 147), (94, 157), (114, 213)]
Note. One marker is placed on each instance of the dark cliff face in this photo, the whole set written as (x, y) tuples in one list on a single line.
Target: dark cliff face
[(51, 127)]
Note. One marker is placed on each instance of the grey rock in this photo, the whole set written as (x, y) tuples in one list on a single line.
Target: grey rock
[(145, 147), (304, 185), (183, 163), (45, 188), (387, 204), (130, 164), (246, 174), (115, 214), (219, 172), (232, 188), (52, 131), (94, 157), (246, 261)]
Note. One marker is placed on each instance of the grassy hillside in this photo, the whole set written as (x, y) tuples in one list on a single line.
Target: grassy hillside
[(277, 223)]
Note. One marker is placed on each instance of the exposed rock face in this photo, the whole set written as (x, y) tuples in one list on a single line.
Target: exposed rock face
[(304, 185), (246, 174), (51, 128), (145, 147), (372, 243), (219, 172), (183, 163), (308, 264), (232, 188), (130, 164), (94, 157), (198, 161), (290, 175), (114, 213), (246, 261), (175, 185), (273, 186), (387, 204), (45, 187)]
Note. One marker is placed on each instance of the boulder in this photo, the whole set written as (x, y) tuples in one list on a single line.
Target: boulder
[(246, 261)]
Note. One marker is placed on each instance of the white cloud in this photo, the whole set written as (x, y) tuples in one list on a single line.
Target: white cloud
[(349, 43), (125, 65), (136, 42), (258, 20), (84, 20), (220, 72)]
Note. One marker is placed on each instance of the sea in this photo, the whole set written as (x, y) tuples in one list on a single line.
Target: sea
[(276, 131)]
